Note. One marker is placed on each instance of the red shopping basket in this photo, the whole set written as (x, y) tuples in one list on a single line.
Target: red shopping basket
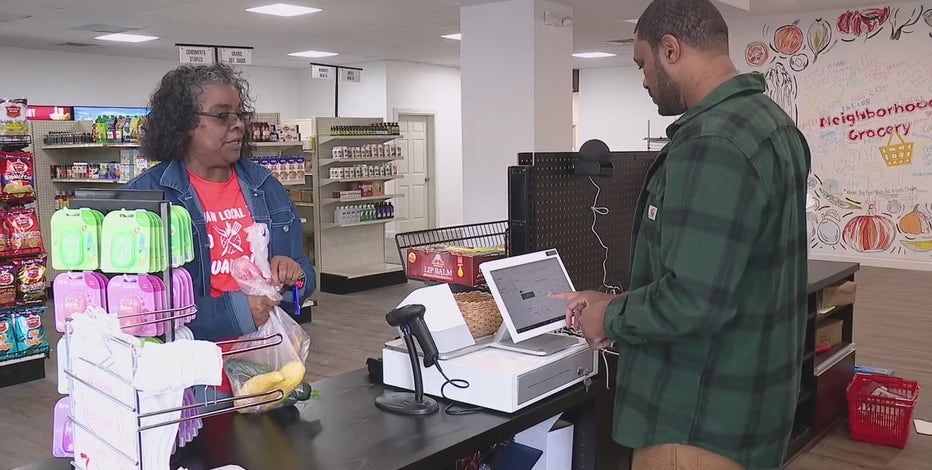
[(877, 417)]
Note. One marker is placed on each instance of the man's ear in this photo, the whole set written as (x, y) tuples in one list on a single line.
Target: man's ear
[(670, 49)]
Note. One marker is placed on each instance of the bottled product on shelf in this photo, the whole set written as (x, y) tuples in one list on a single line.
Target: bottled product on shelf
[(366, 151), (115, 129), (107, 171), (380, 128), (266, 132), (345, 215), (363, 171), (287, 169)]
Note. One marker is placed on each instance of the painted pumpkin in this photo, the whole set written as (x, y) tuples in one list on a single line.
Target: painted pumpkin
[(788, 39), (869, 233)]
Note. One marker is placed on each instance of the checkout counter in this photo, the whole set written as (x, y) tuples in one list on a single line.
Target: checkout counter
[(344, 430)]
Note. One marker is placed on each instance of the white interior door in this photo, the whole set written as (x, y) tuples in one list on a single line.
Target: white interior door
[(415, 208)]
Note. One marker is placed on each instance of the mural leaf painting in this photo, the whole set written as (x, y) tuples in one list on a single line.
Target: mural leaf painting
[(898, 25), (820, 36)]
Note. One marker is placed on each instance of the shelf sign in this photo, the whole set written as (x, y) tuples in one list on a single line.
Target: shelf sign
[(350, 75), (50, 113), (196, 54), (235, 56), (321, 72)]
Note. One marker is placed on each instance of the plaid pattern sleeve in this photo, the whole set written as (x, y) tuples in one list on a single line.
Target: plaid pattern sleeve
[(711, 330)]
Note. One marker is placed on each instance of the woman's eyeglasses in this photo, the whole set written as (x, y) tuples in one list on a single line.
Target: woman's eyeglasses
[(229, 118)]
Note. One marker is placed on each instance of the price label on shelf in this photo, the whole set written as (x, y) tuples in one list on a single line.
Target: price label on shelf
[(196, 54), (321, 72), (350, 75), (235, 56)]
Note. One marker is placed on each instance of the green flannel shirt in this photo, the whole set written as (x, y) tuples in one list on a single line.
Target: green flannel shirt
[(711, 330)]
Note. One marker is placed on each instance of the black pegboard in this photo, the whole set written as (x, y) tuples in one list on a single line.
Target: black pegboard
[(550, 207)]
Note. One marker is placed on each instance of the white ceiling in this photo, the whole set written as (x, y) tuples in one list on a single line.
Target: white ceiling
[(360, 30)]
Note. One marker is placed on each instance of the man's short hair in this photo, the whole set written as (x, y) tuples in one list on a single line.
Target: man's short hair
[(697, 23)]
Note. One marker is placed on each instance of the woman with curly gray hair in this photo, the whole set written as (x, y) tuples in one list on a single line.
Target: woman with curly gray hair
[(197, 128)]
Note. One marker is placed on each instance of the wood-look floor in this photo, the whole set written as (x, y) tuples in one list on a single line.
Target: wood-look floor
[(892, 327)]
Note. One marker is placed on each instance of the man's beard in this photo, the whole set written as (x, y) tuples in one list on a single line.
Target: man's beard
[(669, 96)]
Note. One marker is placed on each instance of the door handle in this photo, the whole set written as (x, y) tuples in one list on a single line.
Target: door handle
[(427, 179)]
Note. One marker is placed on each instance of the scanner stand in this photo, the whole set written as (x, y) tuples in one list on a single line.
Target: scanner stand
[(543, 345), (407, 403)]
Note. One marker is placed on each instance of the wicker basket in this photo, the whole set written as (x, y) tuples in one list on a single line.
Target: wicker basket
[(480, 312)]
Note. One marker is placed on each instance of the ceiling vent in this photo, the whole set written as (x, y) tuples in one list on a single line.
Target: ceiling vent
[(104, 28), (76, 44)]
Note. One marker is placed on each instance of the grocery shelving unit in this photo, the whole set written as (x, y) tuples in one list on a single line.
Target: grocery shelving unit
[(47, 155), (350, 257)]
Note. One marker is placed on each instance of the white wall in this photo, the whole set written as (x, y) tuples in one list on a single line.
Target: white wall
[(66, 78), (614, 107), (435, 89), (367, 98)]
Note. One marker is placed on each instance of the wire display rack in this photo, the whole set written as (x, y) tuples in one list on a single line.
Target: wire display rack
[(481, 235)]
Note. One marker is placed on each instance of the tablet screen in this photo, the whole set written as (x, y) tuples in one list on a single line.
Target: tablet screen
[(525, 290)]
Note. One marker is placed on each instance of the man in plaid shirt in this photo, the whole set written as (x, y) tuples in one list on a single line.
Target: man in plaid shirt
[(711, 331)]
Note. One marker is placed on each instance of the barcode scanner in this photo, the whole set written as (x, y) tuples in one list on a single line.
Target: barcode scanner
[(410, 319)]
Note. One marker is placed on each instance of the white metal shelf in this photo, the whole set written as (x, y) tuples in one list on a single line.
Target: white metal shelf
[(278, 144), (325, 139), (22, 359), (349, 161), (328, 181), (97, 181), (366, 270), (384, 197), (359, 224), (114, 145)]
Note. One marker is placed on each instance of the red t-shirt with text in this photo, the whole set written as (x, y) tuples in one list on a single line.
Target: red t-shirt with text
[(227, 217)]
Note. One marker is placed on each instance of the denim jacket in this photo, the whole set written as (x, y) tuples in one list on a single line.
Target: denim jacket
[(229, 316)]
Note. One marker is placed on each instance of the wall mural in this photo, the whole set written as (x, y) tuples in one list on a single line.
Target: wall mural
[(859, 86)]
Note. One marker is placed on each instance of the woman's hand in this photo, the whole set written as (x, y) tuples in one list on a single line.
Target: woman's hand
[(285, 271), (260, 306)]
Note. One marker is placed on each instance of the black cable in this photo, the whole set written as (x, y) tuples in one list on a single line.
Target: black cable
[(453, 409)]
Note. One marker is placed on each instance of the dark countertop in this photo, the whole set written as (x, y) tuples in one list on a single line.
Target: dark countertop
[(825, 273), (345, 431)]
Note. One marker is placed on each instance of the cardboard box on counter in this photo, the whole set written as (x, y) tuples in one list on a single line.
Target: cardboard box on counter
[(451, 264), (830, 333), (837, 296)]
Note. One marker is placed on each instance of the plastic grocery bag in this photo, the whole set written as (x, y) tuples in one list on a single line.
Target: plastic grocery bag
[(269, 368)]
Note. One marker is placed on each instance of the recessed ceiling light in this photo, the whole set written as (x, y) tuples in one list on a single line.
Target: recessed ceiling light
[(593, 55), (283, 9), (313, 54), (124, 37), (456, 37)]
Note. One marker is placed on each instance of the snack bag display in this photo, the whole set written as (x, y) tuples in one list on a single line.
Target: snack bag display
[(4, 236), (13, 112), (23, 228), (31, 281), (7, 285), (17, 178), (7, 336), (30, 335)]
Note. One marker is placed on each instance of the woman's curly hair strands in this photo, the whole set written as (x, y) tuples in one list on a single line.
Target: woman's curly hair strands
[(174, 104)]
